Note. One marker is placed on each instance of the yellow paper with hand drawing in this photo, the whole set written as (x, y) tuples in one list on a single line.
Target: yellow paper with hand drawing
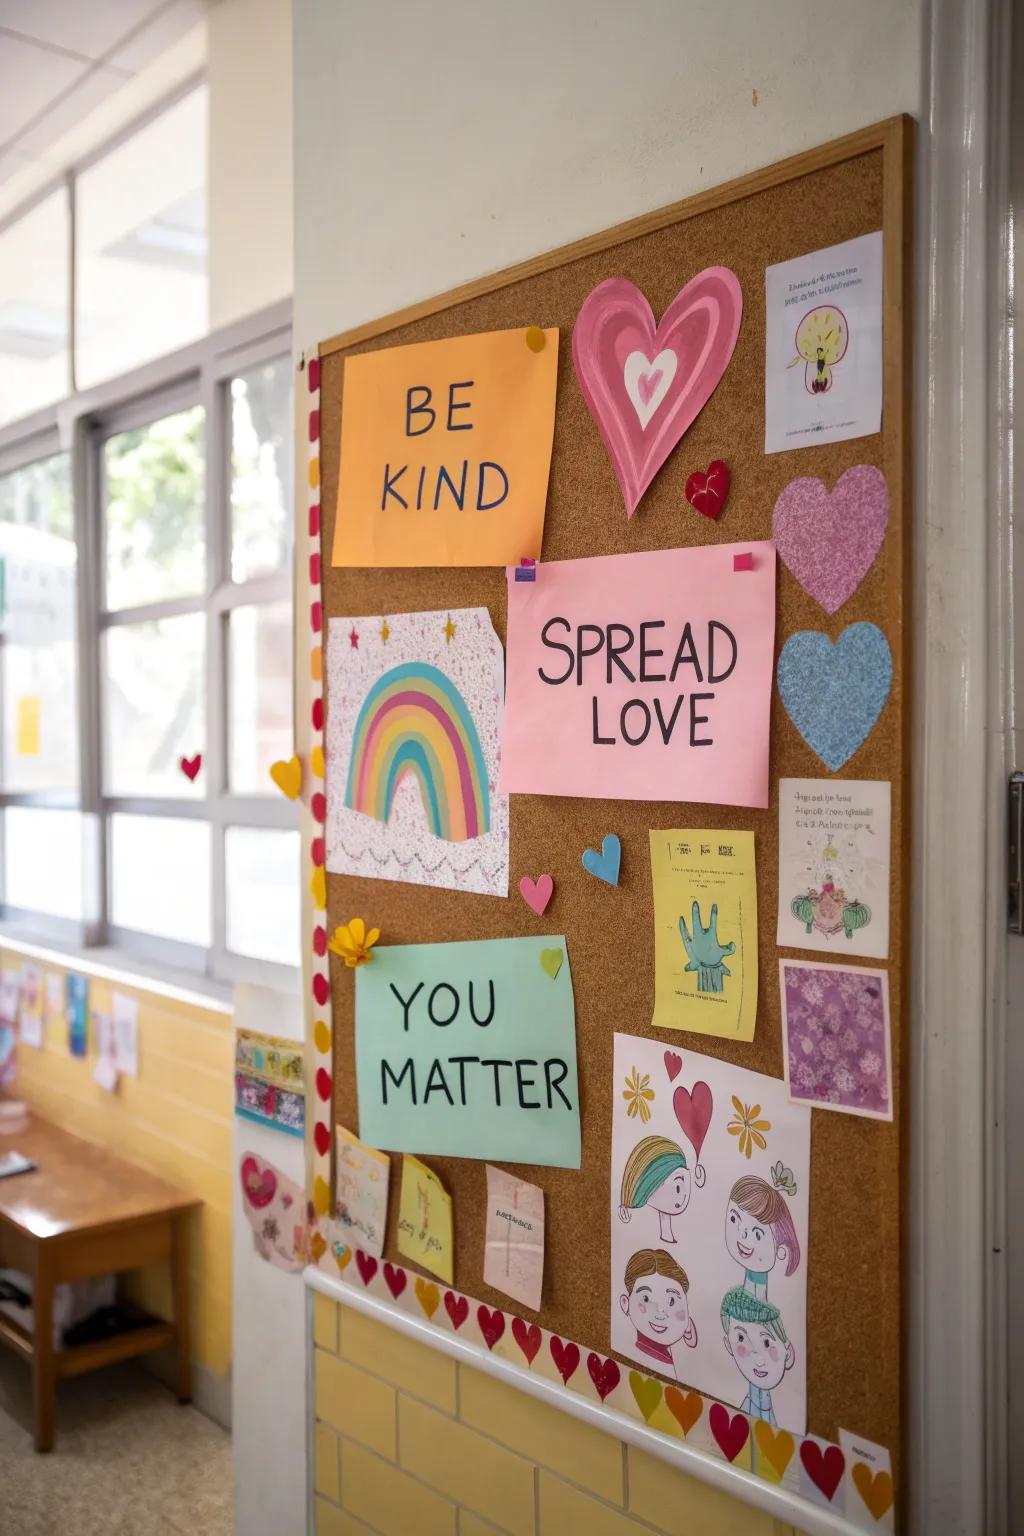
[(705, 932), (425, 1219)]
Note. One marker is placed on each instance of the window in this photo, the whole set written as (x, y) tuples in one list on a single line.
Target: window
[(145, 591), (34, 304)]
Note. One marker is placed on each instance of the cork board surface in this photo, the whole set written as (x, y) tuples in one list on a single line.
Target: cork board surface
[(853, 1273)]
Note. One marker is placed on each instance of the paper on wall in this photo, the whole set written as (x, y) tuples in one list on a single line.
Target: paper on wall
[(76, 994), (469, 1050), (445, 451), (414, 727), (710, 1190), (126, 1034), (425, 1219), (105, 1069), (642, 677), (10, 991), (514, 1240), (870, 1497), (823, 346), (705, 932), (834, 841), (31, 1005), (361, 1192), (54, 996), (836, 1041)]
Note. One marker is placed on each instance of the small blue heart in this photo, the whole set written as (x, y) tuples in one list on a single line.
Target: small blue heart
[(834, 693), (605, 865)]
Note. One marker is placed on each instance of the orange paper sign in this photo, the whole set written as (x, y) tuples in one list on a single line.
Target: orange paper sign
[(445, 451)]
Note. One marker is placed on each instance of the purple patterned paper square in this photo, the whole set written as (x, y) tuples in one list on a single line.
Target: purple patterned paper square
[(835, 1037)]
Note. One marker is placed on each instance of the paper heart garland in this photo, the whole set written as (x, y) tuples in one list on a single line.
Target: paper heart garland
[(606, 864), (259, 1184), (527, 1336), (731, 1431), (875, 1488), (685, 1407), (457, 1308), (645, 384), (829, 540), (428, 1295), (492, 1324), (287, 775), (396, 1280), (775, 1445), (834, 693), (646, 1391), (366, 1265), (693, 1110), (706, 492), (566, 1356), (537, 893)]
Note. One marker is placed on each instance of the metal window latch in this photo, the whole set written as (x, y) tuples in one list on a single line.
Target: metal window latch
[(1015, 855)]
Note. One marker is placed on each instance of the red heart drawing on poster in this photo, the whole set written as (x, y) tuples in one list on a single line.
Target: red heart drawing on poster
[(604, 1374), (457, 1308), (259, 1184), (492, 1324), (673, 1065), (565, 1356), (527, 1336), (190, 766), (693, 1111), (366, 1265), (706, 492), (396, 1280), (731, 1432), (824, 1468)]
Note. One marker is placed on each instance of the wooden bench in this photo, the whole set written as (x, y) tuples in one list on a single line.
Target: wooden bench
[(82, 1213)]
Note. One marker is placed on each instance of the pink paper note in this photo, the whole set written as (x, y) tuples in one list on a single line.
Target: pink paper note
[(642, 677), (514, 1243)]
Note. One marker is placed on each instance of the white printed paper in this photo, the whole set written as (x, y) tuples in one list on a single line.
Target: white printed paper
[(104, 1070), (834, 839), (126, 1034), (823, 346), (31, 1006)]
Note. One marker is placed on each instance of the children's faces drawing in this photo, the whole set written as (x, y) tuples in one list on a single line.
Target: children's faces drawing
[(708, 1268)]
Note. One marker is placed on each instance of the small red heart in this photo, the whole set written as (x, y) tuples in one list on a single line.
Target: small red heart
[(565, 1356), (366, 1265), (527, 1336), (731, 1433), (824, 1468), (604, 1374), (457, 1308), (673, 1065), (693, 1111), (706, 493), (323, 1083), (396, 1279), (492, 1324), (321, 1138), (259, 1184), (321, 989), (190, 766), (319, 941)]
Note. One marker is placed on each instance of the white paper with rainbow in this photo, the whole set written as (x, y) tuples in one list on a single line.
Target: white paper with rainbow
[(413, 738)]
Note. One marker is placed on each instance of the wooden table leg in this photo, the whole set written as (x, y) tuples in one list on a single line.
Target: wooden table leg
[(43, 1376), (179, 1286)]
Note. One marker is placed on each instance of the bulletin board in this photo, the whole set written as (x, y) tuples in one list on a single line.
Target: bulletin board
[(848, 188)]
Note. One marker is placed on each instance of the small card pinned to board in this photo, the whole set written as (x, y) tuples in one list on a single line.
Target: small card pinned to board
[(361, 1192), (514, 1241), (425, 1219)]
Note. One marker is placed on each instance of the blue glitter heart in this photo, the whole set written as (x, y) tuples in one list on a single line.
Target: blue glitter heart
[(834, 693)]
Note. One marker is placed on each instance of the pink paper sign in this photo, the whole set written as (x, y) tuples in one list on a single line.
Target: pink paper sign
[(642, 677), (514, 1242)]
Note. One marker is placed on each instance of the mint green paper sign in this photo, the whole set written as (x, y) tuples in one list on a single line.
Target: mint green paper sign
[(469, 1050)]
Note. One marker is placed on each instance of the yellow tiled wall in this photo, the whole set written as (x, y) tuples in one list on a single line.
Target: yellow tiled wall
[(175, 1119), (408, 1441)]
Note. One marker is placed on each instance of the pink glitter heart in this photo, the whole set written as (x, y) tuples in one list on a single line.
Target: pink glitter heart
[(699, 328), (829, 540)]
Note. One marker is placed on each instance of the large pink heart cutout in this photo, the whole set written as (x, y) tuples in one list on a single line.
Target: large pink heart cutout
[(829, 540), (645, 384)]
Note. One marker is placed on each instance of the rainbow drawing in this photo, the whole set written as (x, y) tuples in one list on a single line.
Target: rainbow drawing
[(414, 720)]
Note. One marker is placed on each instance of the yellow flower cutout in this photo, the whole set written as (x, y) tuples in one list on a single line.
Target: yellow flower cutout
[(748, 1127), (352, 942), (638, 1096)]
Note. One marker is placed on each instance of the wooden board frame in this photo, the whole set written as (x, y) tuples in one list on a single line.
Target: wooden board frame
[(891, 141)]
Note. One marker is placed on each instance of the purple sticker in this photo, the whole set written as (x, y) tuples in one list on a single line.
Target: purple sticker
[(835, 1037)]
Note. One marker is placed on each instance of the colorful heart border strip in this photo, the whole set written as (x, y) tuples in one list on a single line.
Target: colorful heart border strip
[(678, 1413), (320, 978)]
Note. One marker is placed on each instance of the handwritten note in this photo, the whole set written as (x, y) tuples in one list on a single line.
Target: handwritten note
[(425, 1219), (514, 1242), (361, 1192), (642, 677), (445, 451)]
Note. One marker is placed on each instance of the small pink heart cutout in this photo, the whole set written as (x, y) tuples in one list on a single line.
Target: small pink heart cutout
[(537, 893)]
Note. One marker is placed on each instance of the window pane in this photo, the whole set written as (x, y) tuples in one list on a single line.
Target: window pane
[(155, 698), (259, 694), (38, 605), (262, 877), (141, 257), (34, 309), (261, 436), (43, 860), (154, 514), (160, 877)]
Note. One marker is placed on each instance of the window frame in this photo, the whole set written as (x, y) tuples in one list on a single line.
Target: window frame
[(200, 373)]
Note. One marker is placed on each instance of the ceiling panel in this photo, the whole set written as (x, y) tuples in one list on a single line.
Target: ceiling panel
[(32, 78), (87, 27), (159, 33), (93, 88)]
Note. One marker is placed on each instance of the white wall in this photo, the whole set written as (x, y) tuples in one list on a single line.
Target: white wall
[(249, 64), (435, 142)]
